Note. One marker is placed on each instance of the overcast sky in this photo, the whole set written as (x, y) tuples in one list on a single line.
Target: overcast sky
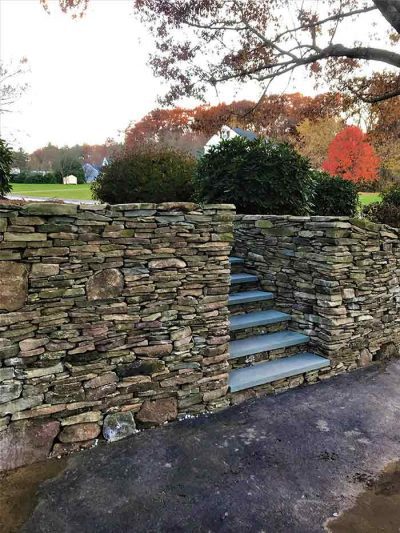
[(88, 77)]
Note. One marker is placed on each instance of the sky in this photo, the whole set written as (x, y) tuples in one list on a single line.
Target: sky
[(88, 78)]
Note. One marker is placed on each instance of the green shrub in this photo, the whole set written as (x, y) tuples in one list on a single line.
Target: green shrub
[(6, 159), (39, 178), (334, 196), (33, 177), (151, 175), (387, 211), (259, 177), (17, 178), (383, 213), (392, 196)]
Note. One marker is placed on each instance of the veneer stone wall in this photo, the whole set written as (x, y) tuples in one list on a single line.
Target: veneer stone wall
[(338, 277), (112, 318)]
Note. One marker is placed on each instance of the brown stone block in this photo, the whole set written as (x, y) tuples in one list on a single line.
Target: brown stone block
[(154, 350), (13, 285), (157, 412), (100, 381), (100, 392), (27, 442), (79, 432), (105, 284)]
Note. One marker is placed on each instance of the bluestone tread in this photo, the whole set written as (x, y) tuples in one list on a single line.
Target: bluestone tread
[(257, 318), (266, 372), (265, 343)]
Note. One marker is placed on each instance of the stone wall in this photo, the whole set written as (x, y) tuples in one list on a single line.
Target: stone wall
[(111, 318), (338, 277)]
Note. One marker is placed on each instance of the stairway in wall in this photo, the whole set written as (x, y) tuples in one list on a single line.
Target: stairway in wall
[(262, 348)]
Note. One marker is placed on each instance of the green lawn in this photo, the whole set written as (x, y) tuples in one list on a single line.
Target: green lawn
[(369, 197), (67, 192), (82, 192)]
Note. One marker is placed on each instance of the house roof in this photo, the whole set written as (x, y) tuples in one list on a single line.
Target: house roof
[(245, 133)]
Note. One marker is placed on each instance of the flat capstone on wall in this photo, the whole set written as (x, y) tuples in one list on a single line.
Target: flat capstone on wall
[(112, 318)]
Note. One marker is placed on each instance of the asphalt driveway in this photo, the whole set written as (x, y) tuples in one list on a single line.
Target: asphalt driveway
[(283, 463)]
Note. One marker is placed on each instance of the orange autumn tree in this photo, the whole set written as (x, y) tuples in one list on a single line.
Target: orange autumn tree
[(351, 156)]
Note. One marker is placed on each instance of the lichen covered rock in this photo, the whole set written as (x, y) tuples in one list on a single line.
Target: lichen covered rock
[(117, 426)]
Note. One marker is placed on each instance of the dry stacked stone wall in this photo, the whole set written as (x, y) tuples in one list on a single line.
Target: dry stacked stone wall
[(337, 277), (112, 318)]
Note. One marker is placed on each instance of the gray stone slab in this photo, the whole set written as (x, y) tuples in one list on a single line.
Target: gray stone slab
[(261, 373), (265, 343), (249, 296), (257, 318), (243, 278), (236, 260)]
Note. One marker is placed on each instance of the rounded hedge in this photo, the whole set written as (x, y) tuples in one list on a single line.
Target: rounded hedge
[(259, 177), (392, 196), (387, 211), (383, 213), (151, 175), (334, 196), (34, 178)]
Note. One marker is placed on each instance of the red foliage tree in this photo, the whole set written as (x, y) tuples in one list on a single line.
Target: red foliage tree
[(351, 156), (275, 116)]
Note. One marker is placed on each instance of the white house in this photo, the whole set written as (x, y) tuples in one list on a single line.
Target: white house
[(226, 133), (70, 180)]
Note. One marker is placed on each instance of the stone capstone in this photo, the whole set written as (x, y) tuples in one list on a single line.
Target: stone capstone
[(157, 412), (50, 208), (13, 285), (117, 426), (105, 284)]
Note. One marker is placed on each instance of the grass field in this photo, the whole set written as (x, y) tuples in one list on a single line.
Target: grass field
[(367, 198), (64, 192), (82, 192)]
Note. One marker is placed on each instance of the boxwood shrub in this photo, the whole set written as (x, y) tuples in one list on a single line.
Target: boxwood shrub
[(259, 177), (147, 175), (334, 196), (387, 211)]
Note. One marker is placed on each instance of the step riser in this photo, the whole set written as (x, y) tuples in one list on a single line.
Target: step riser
[(237, 269), (241, 287), (241, 309), (271, 355), (258, 330)]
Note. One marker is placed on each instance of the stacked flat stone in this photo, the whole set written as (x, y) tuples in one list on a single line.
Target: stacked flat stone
[(338, 278), (111, 318)]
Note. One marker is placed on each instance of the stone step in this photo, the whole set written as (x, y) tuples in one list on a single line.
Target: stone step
[(265, 343), (257, 318), (262, 373), (236, 260), (243, 278), (249, 297)]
